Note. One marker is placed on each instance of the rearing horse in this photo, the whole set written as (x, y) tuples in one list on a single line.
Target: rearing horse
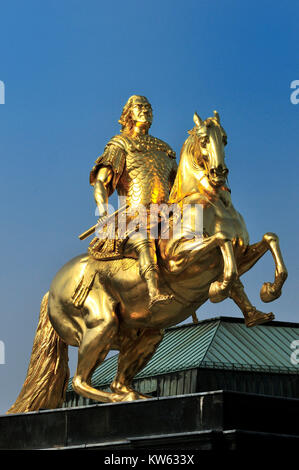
[(114, 314)]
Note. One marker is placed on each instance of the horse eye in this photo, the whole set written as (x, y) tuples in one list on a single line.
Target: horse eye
[(204, 140)]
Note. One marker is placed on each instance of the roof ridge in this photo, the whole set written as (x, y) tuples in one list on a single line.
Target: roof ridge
[(225, 319), (204, 320), (211, 341)]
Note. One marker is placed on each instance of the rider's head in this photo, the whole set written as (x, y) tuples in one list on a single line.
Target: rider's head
[(137, 111)]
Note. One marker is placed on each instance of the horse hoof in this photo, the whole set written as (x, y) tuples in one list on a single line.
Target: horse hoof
[(258, 318), (133, 396), (216, 293), (268, 292), (127, 397), (125, 393)]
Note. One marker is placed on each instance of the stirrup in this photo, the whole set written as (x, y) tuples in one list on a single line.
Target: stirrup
[(159, 300)]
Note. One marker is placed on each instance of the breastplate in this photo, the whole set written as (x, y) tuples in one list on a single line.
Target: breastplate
[(146, 177)]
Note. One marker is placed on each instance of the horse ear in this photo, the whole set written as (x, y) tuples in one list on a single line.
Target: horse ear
[(198, 121), (216, 114)]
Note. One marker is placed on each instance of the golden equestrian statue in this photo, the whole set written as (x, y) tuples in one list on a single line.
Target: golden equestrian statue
[(123, 293)]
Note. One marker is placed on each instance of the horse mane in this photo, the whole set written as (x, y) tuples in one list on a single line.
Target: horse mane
[(192, 146), (192, 151)]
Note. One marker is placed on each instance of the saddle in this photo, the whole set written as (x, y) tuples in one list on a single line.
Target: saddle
[(92, 270)]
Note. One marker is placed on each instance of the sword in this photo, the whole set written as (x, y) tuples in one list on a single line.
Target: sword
[(101, 222)]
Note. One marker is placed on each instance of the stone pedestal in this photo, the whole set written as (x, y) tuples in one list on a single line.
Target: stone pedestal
[(204, 421)]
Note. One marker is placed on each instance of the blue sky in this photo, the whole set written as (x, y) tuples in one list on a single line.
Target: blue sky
[(69, 66)]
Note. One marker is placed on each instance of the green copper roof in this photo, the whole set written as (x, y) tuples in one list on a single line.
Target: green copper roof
[(221, 342)]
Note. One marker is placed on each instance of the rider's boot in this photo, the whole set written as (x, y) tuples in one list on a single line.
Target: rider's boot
[(148, 267), (156, 298), (252, 316)]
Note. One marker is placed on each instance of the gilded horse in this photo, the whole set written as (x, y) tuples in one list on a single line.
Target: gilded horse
[(114, 315)]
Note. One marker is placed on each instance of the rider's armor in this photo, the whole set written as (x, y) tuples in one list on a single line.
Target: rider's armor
[(144, 169)]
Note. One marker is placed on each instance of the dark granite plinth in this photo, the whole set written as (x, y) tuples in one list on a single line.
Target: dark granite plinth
[(211, 420)]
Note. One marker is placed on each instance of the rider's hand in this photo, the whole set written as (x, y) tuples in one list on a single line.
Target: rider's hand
[(101, 211)]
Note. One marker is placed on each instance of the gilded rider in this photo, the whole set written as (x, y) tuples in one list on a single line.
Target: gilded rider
[(142, 169)]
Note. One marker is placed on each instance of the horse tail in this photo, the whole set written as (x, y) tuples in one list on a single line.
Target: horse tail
[(48, 371)]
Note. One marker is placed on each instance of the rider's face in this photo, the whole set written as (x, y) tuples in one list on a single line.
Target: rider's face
[(141, 111)]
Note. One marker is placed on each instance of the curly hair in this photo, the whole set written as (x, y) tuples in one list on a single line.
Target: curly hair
[(126, 120)]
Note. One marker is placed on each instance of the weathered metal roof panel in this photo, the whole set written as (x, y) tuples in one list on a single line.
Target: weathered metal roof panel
[(221, 342), (261, 346), (181, 348)]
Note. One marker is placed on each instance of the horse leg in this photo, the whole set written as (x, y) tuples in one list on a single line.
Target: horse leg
[(270, 241), (133, 357), (219, 290), (271, 291), (251, 314), (189, 251), (101, 328)]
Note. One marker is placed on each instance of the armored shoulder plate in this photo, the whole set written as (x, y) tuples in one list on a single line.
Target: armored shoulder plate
[(113, 156)]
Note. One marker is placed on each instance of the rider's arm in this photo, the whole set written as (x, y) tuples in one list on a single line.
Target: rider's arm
[(107, 171), (103, 178)]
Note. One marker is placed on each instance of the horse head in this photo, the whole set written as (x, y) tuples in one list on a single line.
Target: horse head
[(202, 160), (211, 139)]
